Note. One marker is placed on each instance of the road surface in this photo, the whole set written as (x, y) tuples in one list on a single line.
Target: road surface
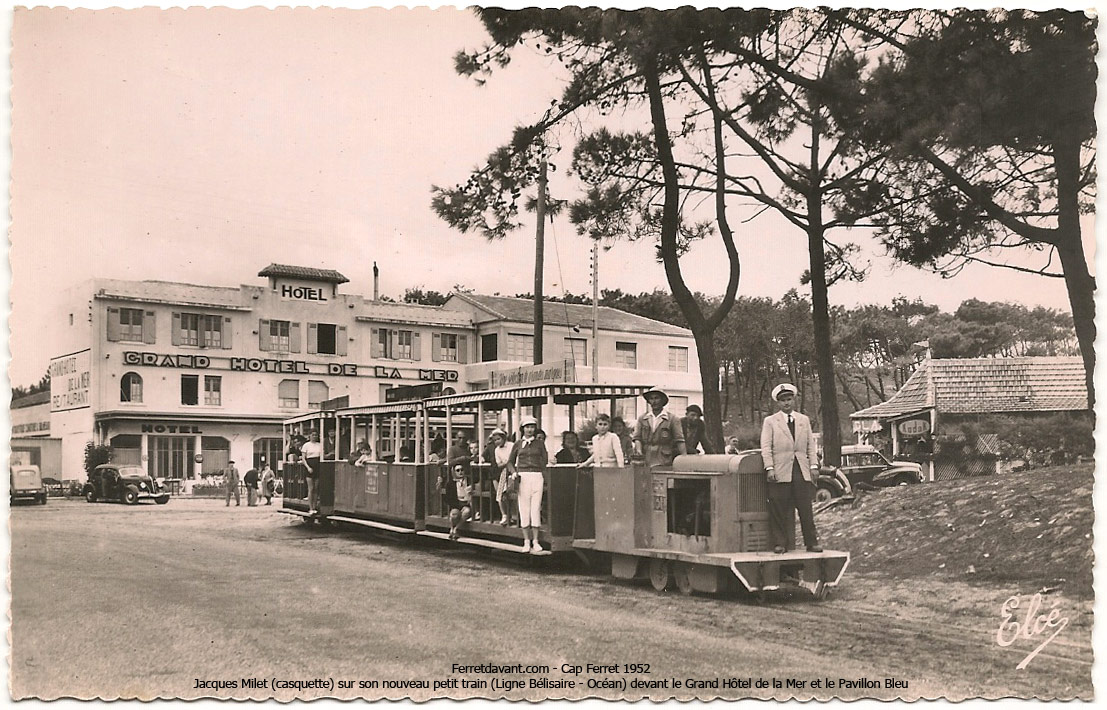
[(191, 599)]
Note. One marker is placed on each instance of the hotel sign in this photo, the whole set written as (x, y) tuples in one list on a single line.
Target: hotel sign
[(545, 374), (70, 381), (290, 367)]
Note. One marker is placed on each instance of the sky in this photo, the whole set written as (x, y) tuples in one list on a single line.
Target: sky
[(202, 145)]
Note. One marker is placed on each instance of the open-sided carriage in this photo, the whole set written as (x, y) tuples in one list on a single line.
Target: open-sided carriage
[(698, 525)]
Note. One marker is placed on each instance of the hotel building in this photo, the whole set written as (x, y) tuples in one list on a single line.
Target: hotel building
[(182, 378)]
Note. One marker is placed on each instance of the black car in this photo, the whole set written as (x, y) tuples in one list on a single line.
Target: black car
[(124, 484)]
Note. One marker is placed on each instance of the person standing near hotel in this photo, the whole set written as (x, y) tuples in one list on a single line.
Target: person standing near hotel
[(312, 452), (527, 464), (791, 460), (658, 435), (251, 480), (231, 481), (268, 483)]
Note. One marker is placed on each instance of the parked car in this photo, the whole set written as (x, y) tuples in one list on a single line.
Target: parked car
[(125, 484), (866, 467), (832, 482), (54, 487), (26, 484)]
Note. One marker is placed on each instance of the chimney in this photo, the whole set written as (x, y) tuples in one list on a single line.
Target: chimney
[(376, 282)]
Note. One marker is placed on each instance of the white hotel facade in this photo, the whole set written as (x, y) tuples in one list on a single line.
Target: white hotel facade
[(183, 378)]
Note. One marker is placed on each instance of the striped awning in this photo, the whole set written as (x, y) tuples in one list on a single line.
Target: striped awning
[(310, 417), (388, 408), (538, 394)]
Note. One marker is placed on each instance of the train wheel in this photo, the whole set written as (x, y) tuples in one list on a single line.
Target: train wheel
[(661, 575), (682, 575)]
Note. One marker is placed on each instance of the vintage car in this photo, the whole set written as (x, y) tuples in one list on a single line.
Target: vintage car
[(125, 484), (27, 484), (832, 482), (866, 467)]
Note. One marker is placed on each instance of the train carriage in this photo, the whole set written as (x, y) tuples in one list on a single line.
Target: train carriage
[(700, 524)]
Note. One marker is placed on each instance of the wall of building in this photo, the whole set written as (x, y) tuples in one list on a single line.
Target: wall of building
[(248, 365)]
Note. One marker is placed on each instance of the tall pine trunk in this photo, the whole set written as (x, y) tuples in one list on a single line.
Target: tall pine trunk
[(1078, 282)]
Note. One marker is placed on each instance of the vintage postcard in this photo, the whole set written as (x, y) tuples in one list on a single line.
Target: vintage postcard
[(552, 354)]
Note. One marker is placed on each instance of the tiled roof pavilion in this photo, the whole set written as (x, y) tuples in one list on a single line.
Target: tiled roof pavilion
[(986, 385)]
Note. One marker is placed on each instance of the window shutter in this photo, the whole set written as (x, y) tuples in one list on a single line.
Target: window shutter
[(263, 335), (463, 348), (313, 338), (341, 340), (375, 342), (226, 334), (113, 324), (150, 328), (294, 337), (394, 342), (416, 349), (436, 346), (175, 331)]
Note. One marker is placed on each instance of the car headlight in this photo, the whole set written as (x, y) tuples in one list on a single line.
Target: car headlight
[(142, 485)]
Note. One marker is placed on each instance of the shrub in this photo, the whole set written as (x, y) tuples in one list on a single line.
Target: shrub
[(95, 455)]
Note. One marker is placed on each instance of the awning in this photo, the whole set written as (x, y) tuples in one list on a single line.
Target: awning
[(537, 394)]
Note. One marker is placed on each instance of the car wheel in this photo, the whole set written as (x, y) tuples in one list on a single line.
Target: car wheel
[(42, 499), (162, 500), (130, 497), (823, 494), (90, 495)]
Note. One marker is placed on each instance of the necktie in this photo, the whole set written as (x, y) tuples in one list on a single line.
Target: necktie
[(792, 426)]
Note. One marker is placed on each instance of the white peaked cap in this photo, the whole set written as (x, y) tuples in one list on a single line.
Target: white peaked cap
[(783, 387)]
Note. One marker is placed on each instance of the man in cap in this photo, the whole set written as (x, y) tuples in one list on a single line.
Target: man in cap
[(695, 431), (658, 436), (231, 480), (792, 468)]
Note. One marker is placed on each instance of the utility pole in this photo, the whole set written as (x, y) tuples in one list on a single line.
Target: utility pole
[(595, 312), (539, 248)]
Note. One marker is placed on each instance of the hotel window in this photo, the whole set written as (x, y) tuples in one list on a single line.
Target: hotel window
[(279, 335), (211, 330), (318, 392), (189, 332), (678, 359), (576, 349), (131, 325), (382, 343), (449, 347), (130, 387), (288, 393), (488, 347), (213, 390), (190, 389), (274, 335), (393, 344), (405, 345), (326, 339), (520, 347), (626, 355)]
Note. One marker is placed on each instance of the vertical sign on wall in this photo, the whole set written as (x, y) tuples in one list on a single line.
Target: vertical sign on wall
[(70, 381)]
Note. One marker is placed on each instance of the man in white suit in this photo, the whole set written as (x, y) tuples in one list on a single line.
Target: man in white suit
[(792, 468)]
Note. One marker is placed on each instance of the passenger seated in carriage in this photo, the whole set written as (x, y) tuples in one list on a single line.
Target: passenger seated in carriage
[(459, 496), (571, 450)]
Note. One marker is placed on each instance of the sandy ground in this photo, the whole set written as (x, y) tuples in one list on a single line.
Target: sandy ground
[(151, 601)]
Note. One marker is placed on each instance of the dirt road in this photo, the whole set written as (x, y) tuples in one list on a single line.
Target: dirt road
[(179, 601)]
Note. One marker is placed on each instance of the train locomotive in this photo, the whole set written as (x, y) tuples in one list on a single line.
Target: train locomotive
[(699, 525)]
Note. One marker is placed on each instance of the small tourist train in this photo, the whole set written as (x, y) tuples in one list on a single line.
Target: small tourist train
[(699, 525)]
